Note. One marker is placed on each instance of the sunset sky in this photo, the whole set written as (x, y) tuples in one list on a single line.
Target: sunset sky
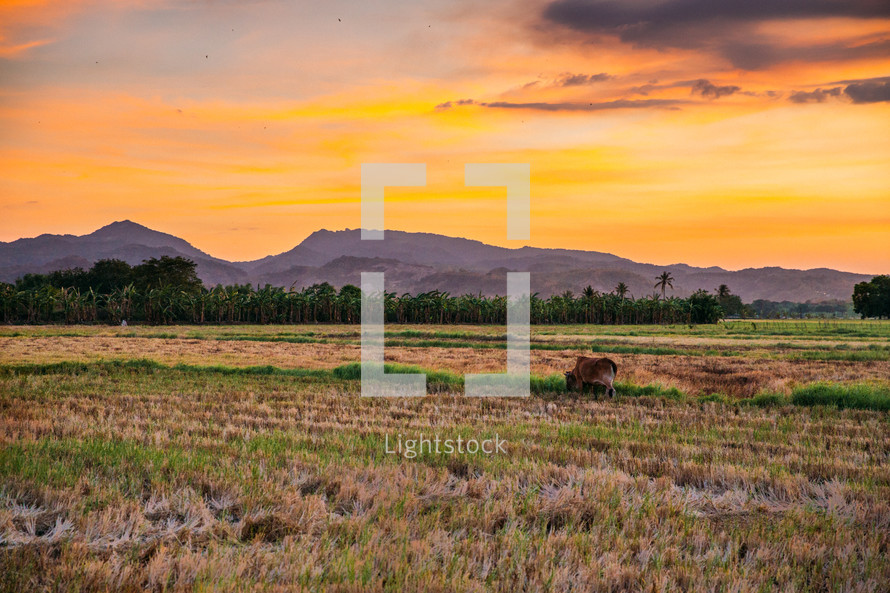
[(737, 133)]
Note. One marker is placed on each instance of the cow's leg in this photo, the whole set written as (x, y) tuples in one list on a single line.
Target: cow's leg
[(593, 387), (610, 391)]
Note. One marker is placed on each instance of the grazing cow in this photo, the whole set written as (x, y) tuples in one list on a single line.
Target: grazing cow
[(589, 371)]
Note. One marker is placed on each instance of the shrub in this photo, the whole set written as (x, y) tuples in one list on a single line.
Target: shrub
[(862, 396)]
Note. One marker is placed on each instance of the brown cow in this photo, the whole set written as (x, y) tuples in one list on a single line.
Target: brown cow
[(589, 371)]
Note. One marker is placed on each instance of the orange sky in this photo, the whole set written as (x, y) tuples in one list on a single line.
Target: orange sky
[(710, 135)]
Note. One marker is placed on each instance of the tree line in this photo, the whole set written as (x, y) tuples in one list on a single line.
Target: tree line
[(167, 290)]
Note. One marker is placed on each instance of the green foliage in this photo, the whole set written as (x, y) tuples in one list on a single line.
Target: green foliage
[(664, 280), (765, 309), (108, 275), (167, 291), (730, 303), (168, 272), (704, 307), (862, 396), (872, 299), (105, 276)]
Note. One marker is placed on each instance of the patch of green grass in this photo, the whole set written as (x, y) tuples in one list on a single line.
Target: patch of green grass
[(436, 380), (153, 335), (144, 365), (80, 368), (631, 390), (442, 344), (861, 355), (860, 396), (476, 336), (279, 338), (126, 463), (791, 327), (554, 383)]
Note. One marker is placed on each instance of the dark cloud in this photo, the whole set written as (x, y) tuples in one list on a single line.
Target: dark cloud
[(599, 106), (628, 13), (868, 92), (754, 56), (569, 79), (865, 90), (727, 27), (582, 79), (645, 89), (450, 104), (711, 91), (701, 86), (817, 96)]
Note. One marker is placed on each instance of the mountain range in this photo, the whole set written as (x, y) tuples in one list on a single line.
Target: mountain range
[(418, 262)]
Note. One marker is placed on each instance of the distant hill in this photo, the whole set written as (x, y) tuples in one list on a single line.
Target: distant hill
[(417, 262), (124, 240)]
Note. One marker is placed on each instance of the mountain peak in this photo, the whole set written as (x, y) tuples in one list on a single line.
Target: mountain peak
[(121, 226), (128, 233)]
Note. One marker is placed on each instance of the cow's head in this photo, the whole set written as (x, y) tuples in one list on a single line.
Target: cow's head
[(571, 382)]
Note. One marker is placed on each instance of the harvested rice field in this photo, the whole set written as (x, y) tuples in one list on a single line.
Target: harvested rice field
[(736, 457)]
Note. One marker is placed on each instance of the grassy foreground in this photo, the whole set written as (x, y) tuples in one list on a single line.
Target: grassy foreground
[(203, 463)]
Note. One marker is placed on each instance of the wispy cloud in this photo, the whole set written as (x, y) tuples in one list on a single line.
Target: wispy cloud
[(12, 50), (582, 79), (449, 104), (709, 90), (572, 106), (816, 96), (869, 90)]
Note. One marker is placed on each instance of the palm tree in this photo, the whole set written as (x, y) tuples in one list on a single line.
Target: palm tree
[(621, 290), (722, 291), (664, 281), (8, 301)]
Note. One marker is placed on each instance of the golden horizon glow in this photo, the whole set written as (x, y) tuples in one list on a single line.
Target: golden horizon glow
[(223, 127)]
